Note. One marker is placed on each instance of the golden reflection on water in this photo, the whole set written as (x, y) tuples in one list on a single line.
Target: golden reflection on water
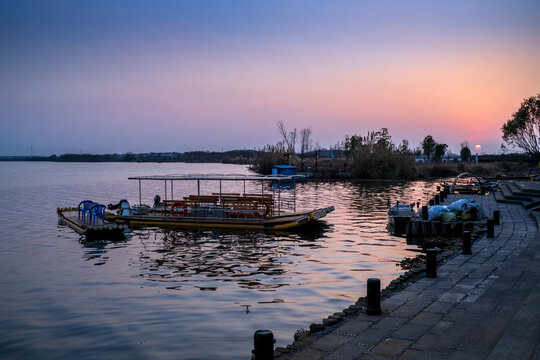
[(294, 278), (352, 243), (164, 293)]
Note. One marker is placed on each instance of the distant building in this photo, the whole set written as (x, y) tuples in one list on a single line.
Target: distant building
[(451, 158), (445, 158), (286, 170)]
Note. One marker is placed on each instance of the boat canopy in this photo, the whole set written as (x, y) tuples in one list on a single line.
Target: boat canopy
[(218, 177), (234, 177)]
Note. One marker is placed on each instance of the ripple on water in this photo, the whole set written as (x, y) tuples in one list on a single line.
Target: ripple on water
[(164, 293)]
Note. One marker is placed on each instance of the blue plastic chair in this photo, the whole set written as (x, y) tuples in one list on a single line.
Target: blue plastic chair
[(97, 211), (84, 209)]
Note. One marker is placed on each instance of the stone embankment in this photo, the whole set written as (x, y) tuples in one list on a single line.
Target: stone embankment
[(483, 305)]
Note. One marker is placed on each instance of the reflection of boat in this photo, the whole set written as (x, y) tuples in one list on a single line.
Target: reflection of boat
[(258, 211), (400, 213), (209, 260), (467, 183)]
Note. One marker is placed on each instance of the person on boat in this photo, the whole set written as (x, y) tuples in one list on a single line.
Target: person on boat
[(157, 200)]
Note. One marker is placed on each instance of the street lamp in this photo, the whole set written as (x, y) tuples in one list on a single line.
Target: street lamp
[(477, 148)]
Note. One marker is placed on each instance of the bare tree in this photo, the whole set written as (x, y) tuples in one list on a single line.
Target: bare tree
[(292, 141), (289, 139), (305, 140)]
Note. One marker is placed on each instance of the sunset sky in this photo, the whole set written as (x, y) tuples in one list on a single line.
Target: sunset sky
[(141, 76)]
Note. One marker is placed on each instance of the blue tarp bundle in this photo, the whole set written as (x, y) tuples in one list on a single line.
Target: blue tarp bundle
[(458, 207)]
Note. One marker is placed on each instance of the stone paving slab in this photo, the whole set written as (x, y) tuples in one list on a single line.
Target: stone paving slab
[(484, 305)]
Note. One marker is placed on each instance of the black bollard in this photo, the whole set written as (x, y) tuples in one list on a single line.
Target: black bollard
[(442, 195), (424, 213), (437, 200), (467, 243), (431, 263), (264, 345), (373, 297), (497, 217), (490, 228), (431, 202), (474, 213)]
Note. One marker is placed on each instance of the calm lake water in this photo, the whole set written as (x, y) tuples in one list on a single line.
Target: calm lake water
[(181, 294)]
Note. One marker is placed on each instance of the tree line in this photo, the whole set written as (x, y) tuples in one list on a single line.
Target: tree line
[(232, 157), (375, 155)]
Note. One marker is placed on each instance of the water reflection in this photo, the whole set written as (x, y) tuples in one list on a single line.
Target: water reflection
[(358, 231), (96, 250), (251, 260), (236, 281)]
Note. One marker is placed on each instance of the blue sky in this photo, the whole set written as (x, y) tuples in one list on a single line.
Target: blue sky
[(118, 76)]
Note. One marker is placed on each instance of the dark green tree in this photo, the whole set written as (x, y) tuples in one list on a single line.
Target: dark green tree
[(465, 151), (428, 145), (375, 156), (522, 130), (439, 151)]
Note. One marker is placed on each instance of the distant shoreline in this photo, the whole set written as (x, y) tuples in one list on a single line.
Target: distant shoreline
[(243, 157)]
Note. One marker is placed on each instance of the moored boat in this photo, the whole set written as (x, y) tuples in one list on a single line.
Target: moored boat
[(400, 213), (222, 210)]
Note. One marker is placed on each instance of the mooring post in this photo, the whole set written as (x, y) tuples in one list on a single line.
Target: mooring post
[(424, 212), (447, 230), (458, 228), (437, 199), (408, 232), (263, 345), (436, 228), (474, 213), (490, 228), (426, 228), (431, 263), (467, 243), (373, 297), (497, 217), (442, 195)]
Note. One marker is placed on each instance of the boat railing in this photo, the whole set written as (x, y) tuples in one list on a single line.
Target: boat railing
[(219, 212), (246, 205), (246, 201), (287, 204)]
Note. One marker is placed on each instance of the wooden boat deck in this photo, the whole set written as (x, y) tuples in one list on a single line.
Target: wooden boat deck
[(280, 222)]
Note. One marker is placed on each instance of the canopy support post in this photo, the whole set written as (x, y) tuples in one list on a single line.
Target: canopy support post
[(140, 196), (294, 194)]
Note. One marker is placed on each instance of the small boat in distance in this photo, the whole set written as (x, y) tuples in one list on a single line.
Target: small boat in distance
[(219, 209), (400, 213)]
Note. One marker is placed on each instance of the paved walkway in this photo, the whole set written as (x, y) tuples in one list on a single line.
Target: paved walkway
[(481, 306)]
